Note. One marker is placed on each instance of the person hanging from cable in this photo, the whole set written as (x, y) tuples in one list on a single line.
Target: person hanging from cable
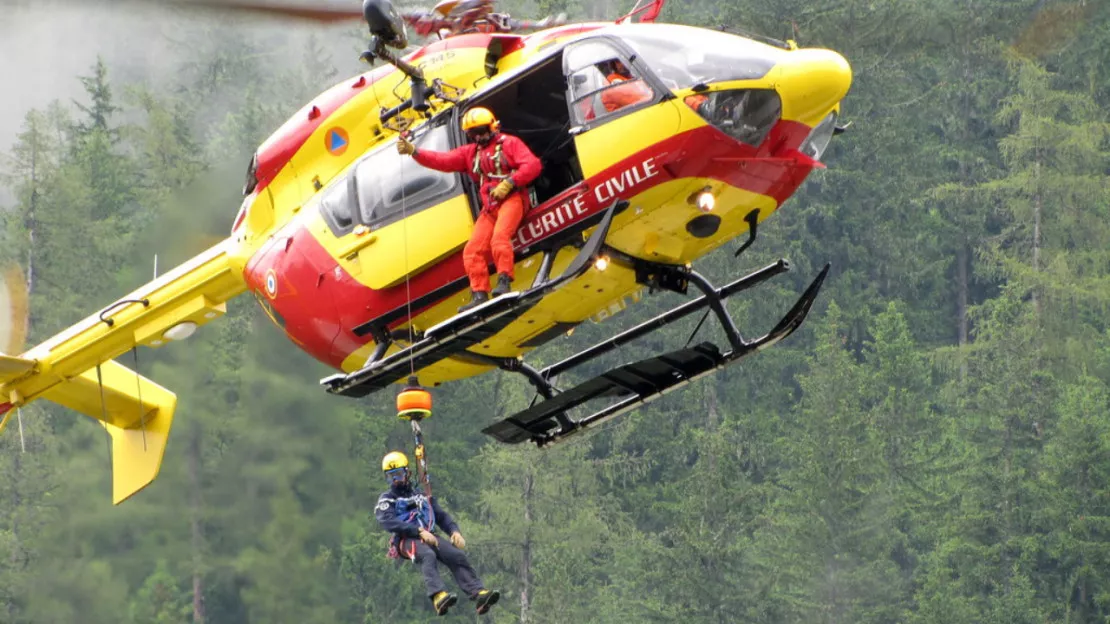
[(503, 166), (414, 520)]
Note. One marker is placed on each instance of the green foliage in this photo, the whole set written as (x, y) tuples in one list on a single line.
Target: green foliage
[(933, 447), (160, 600)]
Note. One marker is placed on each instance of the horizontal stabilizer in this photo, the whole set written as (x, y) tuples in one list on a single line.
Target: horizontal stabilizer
[(12, 367), (137, 414), (76, 367)]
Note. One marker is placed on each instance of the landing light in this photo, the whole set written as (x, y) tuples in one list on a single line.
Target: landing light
[(706, 201), (181, 331), (601, 263)]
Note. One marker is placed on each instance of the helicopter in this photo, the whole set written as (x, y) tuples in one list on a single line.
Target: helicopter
[(355, 252)]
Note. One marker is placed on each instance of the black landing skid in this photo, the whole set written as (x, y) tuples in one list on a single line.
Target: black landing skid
[(642, 382), (462, 331)]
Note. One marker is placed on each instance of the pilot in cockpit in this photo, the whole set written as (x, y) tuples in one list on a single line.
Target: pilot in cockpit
[(633, 90)]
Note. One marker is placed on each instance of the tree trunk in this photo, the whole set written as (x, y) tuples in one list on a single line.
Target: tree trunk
[(197, 531), (1038, 204), (16, 501), (526, 553), (962, 253), (30, 224)]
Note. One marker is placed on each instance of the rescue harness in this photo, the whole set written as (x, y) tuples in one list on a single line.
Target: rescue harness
[(498, 163)]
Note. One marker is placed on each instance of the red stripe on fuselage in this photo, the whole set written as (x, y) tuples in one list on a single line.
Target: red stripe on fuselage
[(321, 304)]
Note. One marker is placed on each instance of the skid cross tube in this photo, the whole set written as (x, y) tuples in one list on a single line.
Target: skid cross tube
[(682, 311), (718, 307), (544, 272), (534, 377)]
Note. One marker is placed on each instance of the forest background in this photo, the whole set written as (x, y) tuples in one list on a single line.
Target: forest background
[(932, 447)]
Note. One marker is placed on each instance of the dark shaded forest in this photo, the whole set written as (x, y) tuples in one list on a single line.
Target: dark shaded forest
[(933, 446)]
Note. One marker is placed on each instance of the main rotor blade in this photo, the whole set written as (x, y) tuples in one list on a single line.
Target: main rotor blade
[(317, 13)]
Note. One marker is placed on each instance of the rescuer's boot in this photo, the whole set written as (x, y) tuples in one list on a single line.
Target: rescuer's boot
[(477, 298), (443, 601), (504, 286), (487, 599)]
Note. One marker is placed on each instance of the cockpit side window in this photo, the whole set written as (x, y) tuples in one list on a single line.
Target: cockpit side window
[(390, 185), (385, 185), (336, 208), (601, 82)]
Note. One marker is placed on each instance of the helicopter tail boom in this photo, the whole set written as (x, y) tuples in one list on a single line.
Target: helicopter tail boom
[(76, 368)]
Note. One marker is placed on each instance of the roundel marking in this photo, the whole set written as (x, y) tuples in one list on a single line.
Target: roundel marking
[(271, 283), (337, 141)]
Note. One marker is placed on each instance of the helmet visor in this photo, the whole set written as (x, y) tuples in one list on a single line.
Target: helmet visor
[(477, 132), (397, 475)]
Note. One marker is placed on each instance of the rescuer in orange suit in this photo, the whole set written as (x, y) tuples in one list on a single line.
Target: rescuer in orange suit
[(696, 101), (503, 166), (633, 92)]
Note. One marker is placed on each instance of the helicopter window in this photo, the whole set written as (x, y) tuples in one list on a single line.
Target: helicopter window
[(683, 56), (336, 207), (746, 115), (389, 184), (601, 82)]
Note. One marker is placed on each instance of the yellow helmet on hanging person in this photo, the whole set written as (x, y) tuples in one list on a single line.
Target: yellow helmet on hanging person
[(394, 460)]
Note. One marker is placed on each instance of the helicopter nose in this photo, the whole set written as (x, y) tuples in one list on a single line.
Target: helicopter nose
[(811, 82)]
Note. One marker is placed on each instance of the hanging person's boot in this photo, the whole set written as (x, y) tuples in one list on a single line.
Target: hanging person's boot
[(443, 601), (504, 286), (477, 298), (487, 599)]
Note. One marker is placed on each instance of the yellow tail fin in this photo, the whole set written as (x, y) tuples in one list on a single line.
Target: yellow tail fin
[(139, 428)]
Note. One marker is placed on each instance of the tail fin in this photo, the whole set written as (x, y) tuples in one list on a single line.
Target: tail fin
[(137, 414)]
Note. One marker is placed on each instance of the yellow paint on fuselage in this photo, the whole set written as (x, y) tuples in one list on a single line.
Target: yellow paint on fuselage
[(808, 81)]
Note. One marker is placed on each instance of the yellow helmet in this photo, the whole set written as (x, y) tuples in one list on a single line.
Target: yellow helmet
[(394, 460), (479, 116)]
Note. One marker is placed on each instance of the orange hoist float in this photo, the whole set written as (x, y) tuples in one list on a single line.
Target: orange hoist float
[(414, 402)]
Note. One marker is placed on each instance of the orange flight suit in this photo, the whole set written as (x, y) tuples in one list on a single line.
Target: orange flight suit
[(504, 157), (632, 92)]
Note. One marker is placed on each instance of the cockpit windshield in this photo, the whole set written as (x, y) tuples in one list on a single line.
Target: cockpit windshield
[(683, 56)]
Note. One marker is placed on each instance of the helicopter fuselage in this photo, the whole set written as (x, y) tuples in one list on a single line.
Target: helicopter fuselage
[(339, 262)]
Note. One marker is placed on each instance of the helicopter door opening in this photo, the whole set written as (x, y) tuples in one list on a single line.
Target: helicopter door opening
[(533, 107)]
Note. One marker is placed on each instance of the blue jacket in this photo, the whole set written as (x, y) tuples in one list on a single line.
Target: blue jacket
[(404, 510)]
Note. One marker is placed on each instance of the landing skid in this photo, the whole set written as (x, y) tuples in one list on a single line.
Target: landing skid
[(472, 327), (642, 382)]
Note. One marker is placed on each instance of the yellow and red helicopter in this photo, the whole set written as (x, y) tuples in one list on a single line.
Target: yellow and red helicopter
[(355, 251)]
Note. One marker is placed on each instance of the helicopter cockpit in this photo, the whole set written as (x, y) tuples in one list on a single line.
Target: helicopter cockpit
[(685, 58)]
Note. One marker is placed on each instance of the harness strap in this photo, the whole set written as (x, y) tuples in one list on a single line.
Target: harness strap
[(498, 162)]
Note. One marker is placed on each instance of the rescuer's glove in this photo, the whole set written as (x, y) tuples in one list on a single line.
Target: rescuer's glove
[(405, 146), (457, 540), (501, 191), (428, 538)]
